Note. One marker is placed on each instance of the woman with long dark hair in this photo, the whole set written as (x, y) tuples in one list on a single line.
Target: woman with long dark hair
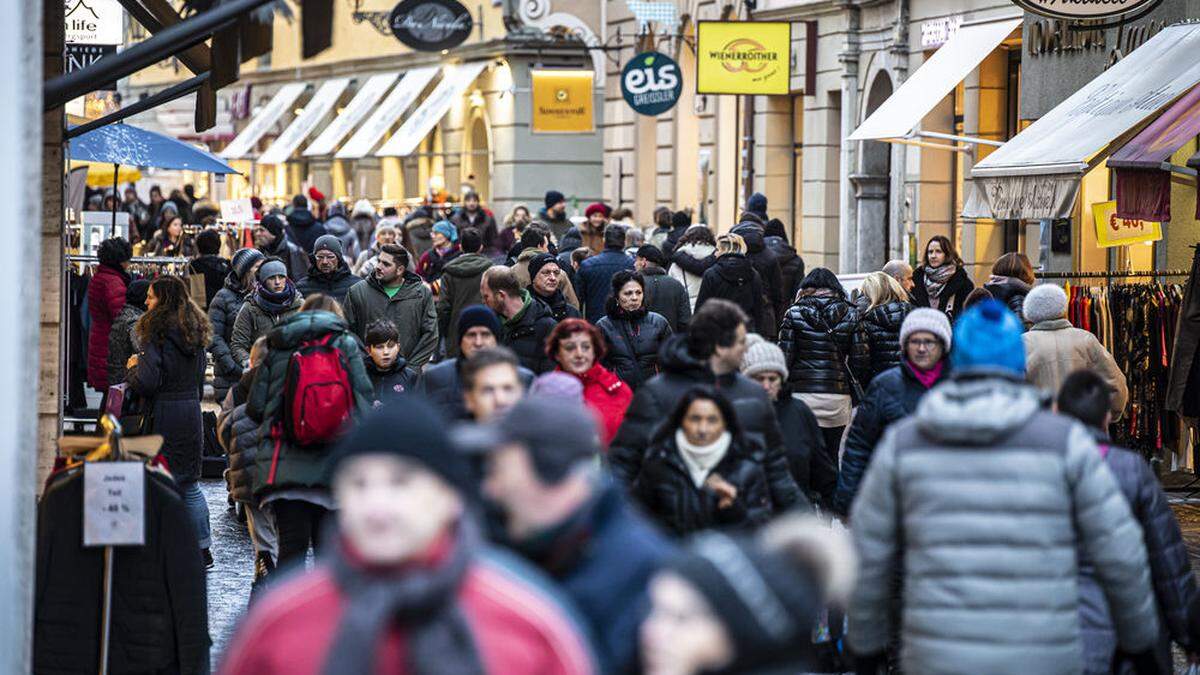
[(171, 241), (169, 374), (634, 333), (940, 281), (701, 471)]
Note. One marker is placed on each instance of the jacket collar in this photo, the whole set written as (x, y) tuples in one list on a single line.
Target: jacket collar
[(1051, 324)]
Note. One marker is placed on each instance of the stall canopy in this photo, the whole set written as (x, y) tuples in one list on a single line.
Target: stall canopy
[(365, 99), (314, 111), (406, 92), (902, 112), (455, 81), (1036, 173), (1143, 165), (264, 120)]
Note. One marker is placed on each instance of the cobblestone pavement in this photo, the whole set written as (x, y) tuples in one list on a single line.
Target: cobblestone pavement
[(229, 580)]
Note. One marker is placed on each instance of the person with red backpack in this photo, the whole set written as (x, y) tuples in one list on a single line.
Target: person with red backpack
[(312, 385)]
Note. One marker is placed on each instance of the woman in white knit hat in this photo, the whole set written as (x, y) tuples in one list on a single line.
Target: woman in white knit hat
[(813, 469)]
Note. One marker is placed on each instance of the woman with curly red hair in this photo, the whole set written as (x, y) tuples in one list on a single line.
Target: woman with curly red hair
[(577, 347)]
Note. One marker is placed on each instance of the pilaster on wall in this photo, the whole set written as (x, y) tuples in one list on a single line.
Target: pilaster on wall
[(774, 141), (50, 289), (822, 171)]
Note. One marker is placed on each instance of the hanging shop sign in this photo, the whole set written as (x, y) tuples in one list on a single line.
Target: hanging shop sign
[(78, 57), (651, 83), (1080, 10), (431, 25), (743, 57), (93, 22), (562, 102), (1114, 231)]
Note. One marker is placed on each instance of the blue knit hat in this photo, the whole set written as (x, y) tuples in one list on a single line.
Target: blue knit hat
[(988, 338), (446, 229)]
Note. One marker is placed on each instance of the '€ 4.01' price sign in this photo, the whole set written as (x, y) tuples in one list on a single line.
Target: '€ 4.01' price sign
[(1114, 231)]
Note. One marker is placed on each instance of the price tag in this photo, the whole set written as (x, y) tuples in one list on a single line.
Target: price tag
[(114, 504), (237, 210)]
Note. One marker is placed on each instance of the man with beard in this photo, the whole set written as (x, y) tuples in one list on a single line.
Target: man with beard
[(396, 294), (554, 215), (546, 284), (329, 273), (272, 240)]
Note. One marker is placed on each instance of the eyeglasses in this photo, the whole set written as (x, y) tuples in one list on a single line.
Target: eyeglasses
[(326, 257), (925, 344)]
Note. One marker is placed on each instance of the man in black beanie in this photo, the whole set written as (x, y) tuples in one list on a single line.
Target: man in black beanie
[(553, 216), (270, 238)]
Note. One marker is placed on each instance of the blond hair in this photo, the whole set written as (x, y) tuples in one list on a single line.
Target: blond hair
[(882, 288), (730, 243)]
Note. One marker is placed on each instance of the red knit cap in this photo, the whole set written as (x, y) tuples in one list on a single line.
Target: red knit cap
[(315, 195), (598, 207)]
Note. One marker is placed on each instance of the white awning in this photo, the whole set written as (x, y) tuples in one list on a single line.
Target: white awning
[(314, 111), (362, 103), (411, 85), (936, 78), (455, 81), (264, 120)]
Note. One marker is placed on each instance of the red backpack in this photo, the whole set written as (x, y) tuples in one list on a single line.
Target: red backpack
[(318, 399)]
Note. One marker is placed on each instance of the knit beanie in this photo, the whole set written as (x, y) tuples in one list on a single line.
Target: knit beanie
[(989, 340), (273, 224), (315, 194), (928, 320), (1045, 302), (559, 433), (478, 315), (775, 228), (328, 242), (598, 207), (363, 208), (553, 198), (244, 259), (557, 385), (763, 357), (537, 262), (757, 204), (272, 268), (424, 440), (446, 229)]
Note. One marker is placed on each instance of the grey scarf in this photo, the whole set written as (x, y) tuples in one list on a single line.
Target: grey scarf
[(422, 602), (935, 281)]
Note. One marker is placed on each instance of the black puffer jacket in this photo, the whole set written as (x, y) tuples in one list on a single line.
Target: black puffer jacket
[(818, 334), (398, 379), (815, 472), (881, 326), (634, 339), (441, 383), (954, 294), (238, 435), (892, 396), (734, 278), (667, 493), (791, 266), (170, 375), (768, 271), (653, 402), (1011, 291), (525, 333), (222, 312), (335, 284)]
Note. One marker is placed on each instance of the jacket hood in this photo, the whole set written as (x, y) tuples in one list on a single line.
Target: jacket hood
[(735, 268), (697, 251), (673, 357), (976, 410), (752, 232), (301, 218), (467, 265), (305, 326), (528, 254), (338, 226), (781, 248), (233, 283)]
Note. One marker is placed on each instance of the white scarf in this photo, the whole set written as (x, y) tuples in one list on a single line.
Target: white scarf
[(700, 460)]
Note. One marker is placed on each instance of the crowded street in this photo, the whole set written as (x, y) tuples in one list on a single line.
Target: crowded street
[(555, 337)]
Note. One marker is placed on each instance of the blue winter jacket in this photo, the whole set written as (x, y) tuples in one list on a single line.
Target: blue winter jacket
[(594, 281)]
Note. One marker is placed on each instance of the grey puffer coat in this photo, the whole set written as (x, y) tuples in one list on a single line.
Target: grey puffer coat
[(252, 322), (633, 344), (1170, 570), (985, 496)]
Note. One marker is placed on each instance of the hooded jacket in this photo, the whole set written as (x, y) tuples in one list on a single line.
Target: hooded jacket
[(791, 266), (1054, 349), (222, 313), (734, 278), (334, 284), (253, 321), (460, 289), (881, 330), (633, 344), (1011, 291), (985, 496), (105, 298), (411, 309), (688, 264), (338, 226), (303, 229), (170, 375), (821, 336), (768, 271), (667, 296), (525, 333), (653, 402), (278, 465)]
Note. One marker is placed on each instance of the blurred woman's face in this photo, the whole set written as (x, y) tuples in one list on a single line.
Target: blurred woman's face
[(771, 383), (935, 254), (703, 423), (630, 296), (175, 228), (682, 635), (151, 299), (521, 215), (385, 237), (576, 354), (923, 349), (276, 284)]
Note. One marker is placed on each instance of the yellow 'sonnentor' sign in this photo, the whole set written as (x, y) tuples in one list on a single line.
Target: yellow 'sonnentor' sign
[(562, 102), (743, 57), (1114, 231)]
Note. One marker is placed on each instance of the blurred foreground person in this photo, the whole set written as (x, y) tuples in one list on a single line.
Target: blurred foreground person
[(1086, 397), (986, 497), (442, 382), (730, 605), (407, 586), (565, 516)]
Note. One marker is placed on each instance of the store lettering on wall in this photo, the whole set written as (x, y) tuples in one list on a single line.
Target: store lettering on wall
[(1056, 36), (937, 32), (431, 25), (651, 83)]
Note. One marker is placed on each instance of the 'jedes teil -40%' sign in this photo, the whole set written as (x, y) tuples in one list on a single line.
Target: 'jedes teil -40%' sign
[(1087, 9), (431, 25)]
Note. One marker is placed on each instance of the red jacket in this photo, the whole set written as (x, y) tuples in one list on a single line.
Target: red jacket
[(517, 628), (106, 298), (608, 397)]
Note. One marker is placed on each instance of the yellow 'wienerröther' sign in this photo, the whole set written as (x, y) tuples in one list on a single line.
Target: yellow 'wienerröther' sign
[(562, 102), (743, 57)]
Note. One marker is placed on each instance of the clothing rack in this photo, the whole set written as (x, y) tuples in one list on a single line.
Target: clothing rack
[(1111, 275), (141, 260)]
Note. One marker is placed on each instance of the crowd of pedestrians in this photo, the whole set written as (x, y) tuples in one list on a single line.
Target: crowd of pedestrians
[(556, 445)]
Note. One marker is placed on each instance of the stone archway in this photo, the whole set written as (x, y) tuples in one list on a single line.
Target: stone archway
[(477, 156), (872, 187)]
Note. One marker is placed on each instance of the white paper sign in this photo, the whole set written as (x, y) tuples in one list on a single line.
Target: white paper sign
[(98, 226), (237, 210), (114, 504), (94, 22)]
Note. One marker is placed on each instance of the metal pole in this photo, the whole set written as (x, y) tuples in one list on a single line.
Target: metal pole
[(106, 610), (112, 231)]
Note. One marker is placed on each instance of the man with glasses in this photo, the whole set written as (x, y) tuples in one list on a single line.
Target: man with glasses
[(329, 273), (925, 340)]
